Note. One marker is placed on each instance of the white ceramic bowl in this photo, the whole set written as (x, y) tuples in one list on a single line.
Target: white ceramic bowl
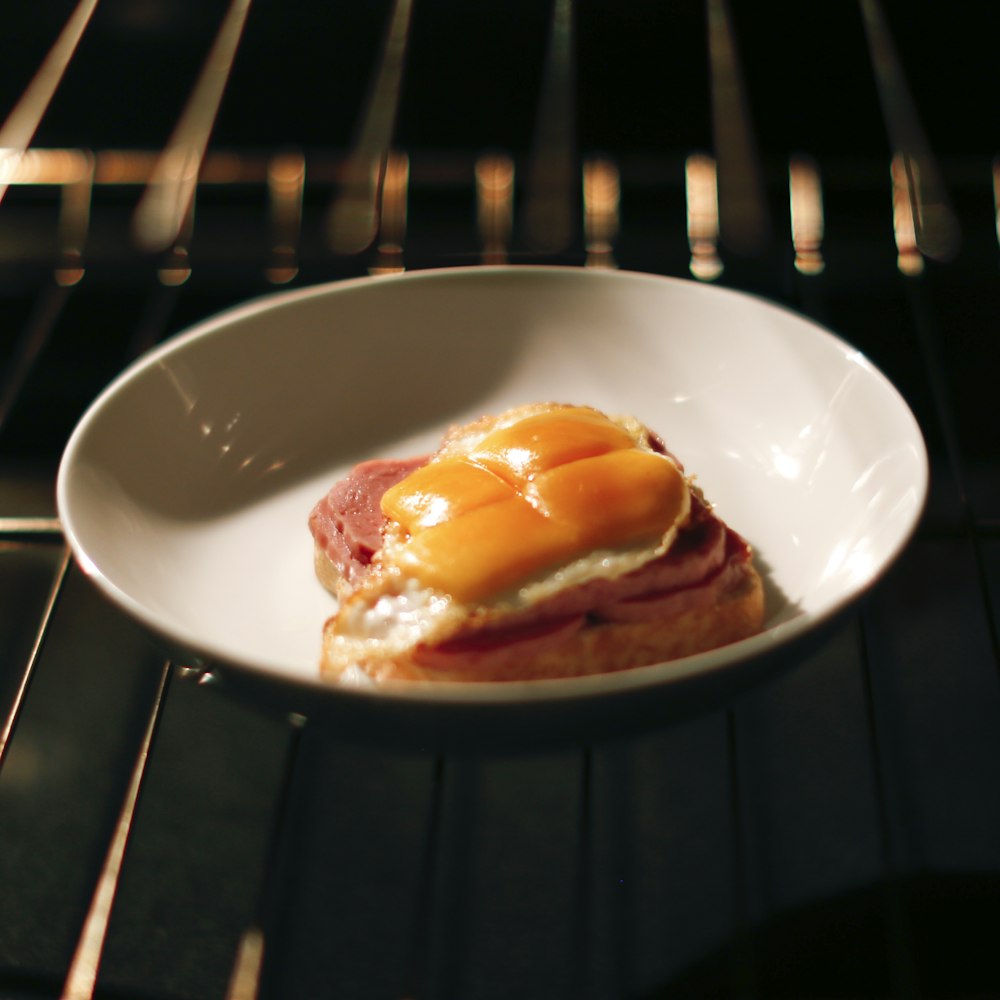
[(185, 489)]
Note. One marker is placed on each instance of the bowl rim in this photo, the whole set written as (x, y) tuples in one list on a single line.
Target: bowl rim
[(180, 641)]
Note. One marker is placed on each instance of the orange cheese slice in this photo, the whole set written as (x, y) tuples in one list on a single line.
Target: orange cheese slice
[(547, 439), (487, 551), (613, 499), (443, 490), (531, 496)]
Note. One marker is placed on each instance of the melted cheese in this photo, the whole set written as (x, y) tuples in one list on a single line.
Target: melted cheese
[(541, 492), (546, 440), (443, 491)]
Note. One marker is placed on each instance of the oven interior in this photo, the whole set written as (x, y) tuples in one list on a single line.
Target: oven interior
[(833, 832)]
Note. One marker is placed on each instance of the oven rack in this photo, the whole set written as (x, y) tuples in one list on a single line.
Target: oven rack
[(835, 832)]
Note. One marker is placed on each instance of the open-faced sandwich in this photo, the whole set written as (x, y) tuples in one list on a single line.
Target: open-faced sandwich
[(548, 541)]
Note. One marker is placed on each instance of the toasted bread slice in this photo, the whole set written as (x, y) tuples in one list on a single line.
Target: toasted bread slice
[(550, 541)]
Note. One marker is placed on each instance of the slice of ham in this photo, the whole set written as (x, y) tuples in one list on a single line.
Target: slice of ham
[(347, 523), (487, 649), (700, 592)]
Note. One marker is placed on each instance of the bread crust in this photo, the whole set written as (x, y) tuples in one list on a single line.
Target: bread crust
[(327, 573), (602, 647)]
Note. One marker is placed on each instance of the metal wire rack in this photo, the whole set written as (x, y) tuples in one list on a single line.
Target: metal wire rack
[(835, 832)]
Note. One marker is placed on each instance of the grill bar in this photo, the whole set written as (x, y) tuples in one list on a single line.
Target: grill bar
[(898, 931), (744, 224), (167, 203), (33, 340), (22, 123), (354, 214), (245, 981), (936, 227), (549, 207), (14, 713), (743, 973), (82, 977), (893, 918), (928, 339), (579, 971), (420, 935)]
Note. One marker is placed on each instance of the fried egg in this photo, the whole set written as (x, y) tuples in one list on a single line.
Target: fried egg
[(509, 512)]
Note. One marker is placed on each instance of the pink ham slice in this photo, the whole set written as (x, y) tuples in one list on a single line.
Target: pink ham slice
[(347, 523), (486, 650), (701, 592)]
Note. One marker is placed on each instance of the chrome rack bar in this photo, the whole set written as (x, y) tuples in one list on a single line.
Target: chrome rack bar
[(743, 967), (702, 200), (22, 123), (286, 178), (899, 944), (81, 979), (14, 714), (744, 223), (928, 337), (601, 199), (353, 219), (805, 205), (392, 215), (167, 201), (936, 229), (548, 211), (33, 528), (415, 963), (583, 887), (245, 979), (495, 205), (33, 339)]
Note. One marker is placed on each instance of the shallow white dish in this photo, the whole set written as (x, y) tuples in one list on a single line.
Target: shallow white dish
[(185, 489)]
